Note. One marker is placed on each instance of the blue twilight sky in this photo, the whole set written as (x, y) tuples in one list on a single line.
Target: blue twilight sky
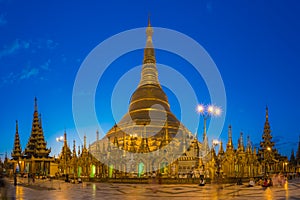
[(255, 45)]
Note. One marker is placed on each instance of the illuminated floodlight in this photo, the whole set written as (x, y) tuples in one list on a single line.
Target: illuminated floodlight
[(200, 108), (60, 139)]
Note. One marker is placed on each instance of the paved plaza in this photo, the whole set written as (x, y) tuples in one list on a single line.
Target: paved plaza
[(46, 189)]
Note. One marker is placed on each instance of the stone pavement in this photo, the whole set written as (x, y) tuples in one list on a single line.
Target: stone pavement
[(45, 189)]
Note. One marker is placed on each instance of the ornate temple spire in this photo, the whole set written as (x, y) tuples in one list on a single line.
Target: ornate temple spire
[(267, 137), (66, 153), (36, 145), (241, 142), (65, 139), (78, 150), (149, 71), (74, 149), (97, 135), (221, 150), (229, 143), (84, 141), (249, 146), (35, 105), (17, 147)]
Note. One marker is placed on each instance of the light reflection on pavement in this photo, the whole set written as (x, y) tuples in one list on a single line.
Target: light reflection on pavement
[(45, 189)]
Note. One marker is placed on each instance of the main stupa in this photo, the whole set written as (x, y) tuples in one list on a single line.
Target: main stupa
[(149, 123), (149, 134), (149, 137)]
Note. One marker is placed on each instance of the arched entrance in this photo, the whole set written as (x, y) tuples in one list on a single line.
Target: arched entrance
[(110, 170), (93, 171), (164, 167), (141, 169)]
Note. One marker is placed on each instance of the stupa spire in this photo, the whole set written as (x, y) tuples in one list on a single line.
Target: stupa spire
[(241, 142), (267, 137), (35, 104), (36, 145), (149, 71), (267, 113), (65, 139), (249, 146), (74, 149), (17, 147), (221, 150), (229, 143), (84, 141)]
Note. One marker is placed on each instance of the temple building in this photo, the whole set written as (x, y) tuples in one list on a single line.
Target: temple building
[(35, 157)]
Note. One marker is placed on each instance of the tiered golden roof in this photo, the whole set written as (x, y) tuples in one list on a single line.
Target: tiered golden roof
[(36, 145)]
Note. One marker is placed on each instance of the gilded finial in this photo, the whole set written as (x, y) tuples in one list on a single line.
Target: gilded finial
[(149, 23), (65, 137), (267, 113), (17, 126), (35, 104), (74, 148), (97, 135)]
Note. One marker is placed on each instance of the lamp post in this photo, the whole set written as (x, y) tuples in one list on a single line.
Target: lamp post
[(207, 111)]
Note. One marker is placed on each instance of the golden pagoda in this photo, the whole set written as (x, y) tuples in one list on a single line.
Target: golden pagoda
[(148, 109), (149, 127), (17, 151), (35, 158)]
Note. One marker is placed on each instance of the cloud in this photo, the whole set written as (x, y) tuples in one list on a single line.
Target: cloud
[(3, 21), (50, 44), (46, 65), (34, 45), (14, 47), (27, 73), (10, 78), (26, 48)]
